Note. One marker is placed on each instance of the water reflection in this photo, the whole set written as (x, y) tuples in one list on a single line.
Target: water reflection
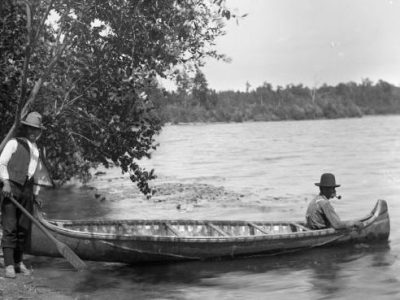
[(315, 273), (72, 202)]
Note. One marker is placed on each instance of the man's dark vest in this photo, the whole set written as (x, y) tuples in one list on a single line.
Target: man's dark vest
[(19, 163)]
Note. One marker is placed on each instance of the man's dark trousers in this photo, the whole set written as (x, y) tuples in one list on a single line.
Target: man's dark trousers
[(16, 225)]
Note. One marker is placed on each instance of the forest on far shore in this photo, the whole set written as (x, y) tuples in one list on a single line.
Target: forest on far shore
[(193, 101)]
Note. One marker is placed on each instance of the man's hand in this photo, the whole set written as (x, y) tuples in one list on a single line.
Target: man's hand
[(7, 189), (37, 200)]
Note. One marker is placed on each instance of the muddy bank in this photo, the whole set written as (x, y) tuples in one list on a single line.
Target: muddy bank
[(27, 287), (177, 200), (116, 197)]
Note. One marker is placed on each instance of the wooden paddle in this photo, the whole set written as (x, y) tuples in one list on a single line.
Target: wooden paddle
[(63, 249)]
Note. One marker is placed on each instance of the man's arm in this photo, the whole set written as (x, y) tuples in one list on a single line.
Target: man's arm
[(5, 156), (331, 215)]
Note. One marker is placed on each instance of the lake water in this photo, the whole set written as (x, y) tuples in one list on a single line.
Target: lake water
[(273, 167)]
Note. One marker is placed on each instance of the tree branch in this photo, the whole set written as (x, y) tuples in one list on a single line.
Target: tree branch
[(43, 20), (85, 138), (72, 101), (28, 49), (39, 82), (22, 106)]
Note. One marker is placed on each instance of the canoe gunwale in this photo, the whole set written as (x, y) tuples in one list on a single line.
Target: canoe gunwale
[(54, 225)]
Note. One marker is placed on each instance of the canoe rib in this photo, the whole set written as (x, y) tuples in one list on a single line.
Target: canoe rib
[(217, 229), (257, 227), (133, 241), (170, 228)]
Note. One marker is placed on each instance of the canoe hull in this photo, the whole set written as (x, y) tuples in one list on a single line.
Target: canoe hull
[(148, 248)]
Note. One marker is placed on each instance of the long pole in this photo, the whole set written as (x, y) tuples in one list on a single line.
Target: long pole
[(63, 249)]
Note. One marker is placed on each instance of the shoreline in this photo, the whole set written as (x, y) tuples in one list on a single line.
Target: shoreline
[(177, 199), (27, 287), (53, 279), (197, 123)]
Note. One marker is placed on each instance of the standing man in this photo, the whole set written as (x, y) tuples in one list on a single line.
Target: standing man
[(18, 163), (320, 213)]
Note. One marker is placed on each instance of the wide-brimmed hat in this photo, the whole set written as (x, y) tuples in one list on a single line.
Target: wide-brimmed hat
[(33, 119), (327, 180)]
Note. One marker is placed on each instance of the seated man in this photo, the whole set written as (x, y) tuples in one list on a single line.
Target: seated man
[(320, 213)]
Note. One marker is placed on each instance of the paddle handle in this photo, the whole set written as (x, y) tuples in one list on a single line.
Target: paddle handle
[(37, 223), (63, 249)]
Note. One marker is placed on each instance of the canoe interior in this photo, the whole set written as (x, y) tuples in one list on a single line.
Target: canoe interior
[(138, 241), (179, 228)]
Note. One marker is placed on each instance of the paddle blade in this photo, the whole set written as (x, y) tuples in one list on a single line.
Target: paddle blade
[(70, 255)]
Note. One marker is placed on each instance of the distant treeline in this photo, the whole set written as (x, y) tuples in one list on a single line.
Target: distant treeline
[(265, 103)]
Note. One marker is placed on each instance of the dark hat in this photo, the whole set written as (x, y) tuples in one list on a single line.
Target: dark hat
[(327, 180), (33, 119)]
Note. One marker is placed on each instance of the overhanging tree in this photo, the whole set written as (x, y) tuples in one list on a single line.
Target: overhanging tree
[(85, 65)]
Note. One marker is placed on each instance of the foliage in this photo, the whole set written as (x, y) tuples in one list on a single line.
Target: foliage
[(293, 102), (89, 68)]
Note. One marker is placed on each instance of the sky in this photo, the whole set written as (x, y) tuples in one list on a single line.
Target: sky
[(311, 42)]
